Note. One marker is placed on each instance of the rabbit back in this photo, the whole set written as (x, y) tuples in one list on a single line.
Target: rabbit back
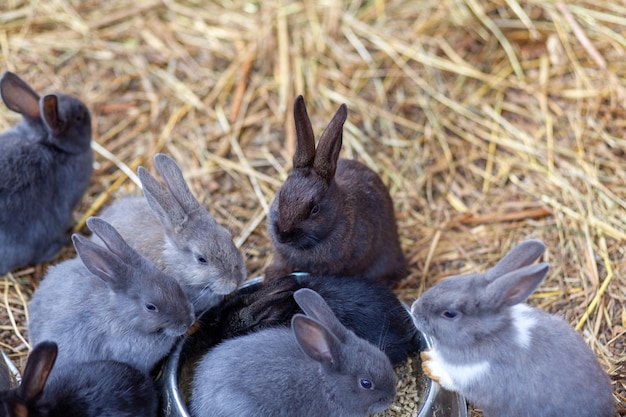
[(270, 356), (375, 228), (100, 389), (45, 168), (38, 192), (138, 225), (371, 310)]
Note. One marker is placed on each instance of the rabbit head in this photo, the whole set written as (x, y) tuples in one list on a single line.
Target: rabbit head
[(199, 252), (462, 310), (65, 119), (304, 210), (152, 300), (361, 373), (24, 401)]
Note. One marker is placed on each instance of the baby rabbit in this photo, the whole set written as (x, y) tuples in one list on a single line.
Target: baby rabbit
[(368, 308), (316, 368), (110, 303), (172, 229), (89, 389), (45, 168), (506, 357), (332, 216)]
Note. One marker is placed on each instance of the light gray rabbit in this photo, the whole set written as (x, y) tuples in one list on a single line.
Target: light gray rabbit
[(171, 228), (110, 303), (504, 356), (316, 368), (45, 168)]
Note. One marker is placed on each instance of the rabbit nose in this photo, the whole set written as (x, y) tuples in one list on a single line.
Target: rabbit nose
[(286, 236)]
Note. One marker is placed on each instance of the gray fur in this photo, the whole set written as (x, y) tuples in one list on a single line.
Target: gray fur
[(172, 229), (313, 369), (45, 168), (532, 363), (97, 306)]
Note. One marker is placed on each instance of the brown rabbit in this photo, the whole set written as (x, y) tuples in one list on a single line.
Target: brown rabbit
[(332, 216)]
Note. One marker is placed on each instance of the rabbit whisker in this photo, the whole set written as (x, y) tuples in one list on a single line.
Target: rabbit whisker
[(383, 335), (206, 289)]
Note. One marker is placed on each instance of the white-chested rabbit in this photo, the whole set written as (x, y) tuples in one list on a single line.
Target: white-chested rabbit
[(110, 303), (171, 228), (332, 216), (45, 168), (82, 389), (504, 356), (316, 368)]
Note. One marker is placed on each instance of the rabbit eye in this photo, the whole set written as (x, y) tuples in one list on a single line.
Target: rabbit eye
[(315, 209), (151, 307), (366, 383), (448, 314), (79, 116), (202, 260)]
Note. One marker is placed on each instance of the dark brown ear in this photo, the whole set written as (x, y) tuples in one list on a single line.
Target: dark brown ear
[(50, 112), (329, 146), (305, 139), (38, 367), (18, 96)]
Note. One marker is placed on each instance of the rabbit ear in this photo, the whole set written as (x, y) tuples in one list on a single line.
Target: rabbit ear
[(305, 138), (173, 177), (315, 340), (101, 262), (50, 113), (521, 255), (111, 264), (316, 307), (112, 239), (515, 287), (38, 367), (329, 146), (161, 202), (18, 96)]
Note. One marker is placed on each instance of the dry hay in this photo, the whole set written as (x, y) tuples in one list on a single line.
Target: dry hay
[(490, 121)]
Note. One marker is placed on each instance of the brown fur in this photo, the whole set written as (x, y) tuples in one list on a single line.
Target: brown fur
[(332, 216)]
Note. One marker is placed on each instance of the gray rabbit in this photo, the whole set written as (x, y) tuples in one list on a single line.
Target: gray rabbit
[(110, 303), (504, 356), (82, 389), (45, 168), (315, 368), (171, 228)]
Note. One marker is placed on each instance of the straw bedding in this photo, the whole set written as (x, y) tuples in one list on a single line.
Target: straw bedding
[(490, 121)]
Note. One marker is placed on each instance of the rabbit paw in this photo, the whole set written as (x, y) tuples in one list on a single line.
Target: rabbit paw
[(452, 376), (428, 371)]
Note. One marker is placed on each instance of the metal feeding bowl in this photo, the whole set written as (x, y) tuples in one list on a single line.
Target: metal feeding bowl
[(9, 374), (177, 373)]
